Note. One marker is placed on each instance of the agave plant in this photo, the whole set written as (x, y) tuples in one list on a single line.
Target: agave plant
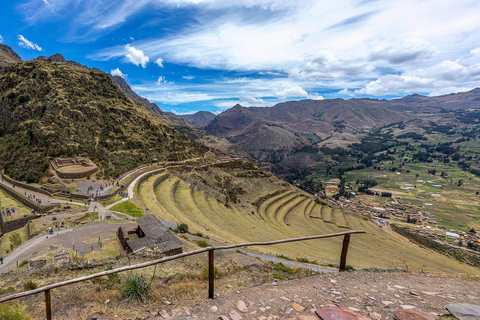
[(136, 287)]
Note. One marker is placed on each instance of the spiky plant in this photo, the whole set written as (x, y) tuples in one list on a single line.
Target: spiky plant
[(136, 287)]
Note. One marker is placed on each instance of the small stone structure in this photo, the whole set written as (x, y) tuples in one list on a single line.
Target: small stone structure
[(151, 233), (37, 264), (76, 161)]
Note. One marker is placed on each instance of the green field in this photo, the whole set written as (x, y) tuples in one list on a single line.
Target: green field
[(129, 208)]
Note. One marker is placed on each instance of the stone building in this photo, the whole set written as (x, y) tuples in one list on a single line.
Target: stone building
[(150, 233)]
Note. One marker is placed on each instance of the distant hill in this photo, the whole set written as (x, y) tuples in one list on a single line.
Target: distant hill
[(451, 102), (288, 137), (199, 119), (52, 109), (267, 133), (123, 85), (8, 56)]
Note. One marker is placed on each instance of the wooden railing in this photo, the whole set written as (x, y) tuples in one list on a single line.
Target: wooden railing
[(211, 273)]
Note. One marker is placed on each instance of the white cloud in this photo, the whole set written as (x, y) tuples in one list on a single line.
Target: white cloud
[(442, 75), (161, 81), (188, 77), (25, 43), (117, 72), (136, 56), (159, 62), (315, 96), (46, 3), (251, 101), (336, 44), (475, 51), (287, 91), (1, 38)]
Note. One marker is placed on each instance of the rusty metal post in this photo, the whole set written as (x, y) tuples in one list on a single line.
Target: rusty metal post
[(48, 305), (343, 257), (211, 274)]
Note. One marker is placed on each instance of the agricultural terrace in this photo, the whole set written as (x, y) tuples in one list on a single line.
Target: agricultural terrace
[(282, 212)]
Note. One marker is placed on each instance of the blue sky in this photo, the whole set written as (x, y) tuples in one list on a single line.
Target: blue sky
[(190, 55)]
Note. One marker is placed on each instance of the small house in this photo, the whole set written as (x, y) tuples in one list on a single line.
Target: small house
[(150, 233)]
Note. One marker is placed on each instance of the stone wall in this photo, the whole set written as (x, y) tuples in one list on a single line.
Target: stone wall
[(159, 180), (75, 175), (174, 251), (25, 186), (12, 225), (121, 236), (146, 176), (27, 202), (110, 195)]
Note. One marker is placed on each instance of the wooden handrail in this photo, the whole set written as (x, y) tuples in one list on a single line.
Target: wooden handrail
[(210, 250)]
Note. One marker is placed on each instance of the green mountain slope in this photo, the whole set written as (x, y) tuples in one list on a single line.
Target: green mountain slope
[(52, 109)]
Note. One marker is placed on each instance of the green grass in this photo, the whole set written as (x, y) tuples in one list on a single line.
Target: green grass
[(13, 312), (129, 208), (111, 200)]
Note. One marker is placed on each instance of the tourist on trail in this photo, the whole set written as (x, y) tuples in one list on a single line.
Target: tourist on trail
[(1, 259)]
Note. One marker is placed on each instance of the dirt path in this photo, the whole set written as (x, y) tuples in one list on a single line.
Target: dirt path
[(64, 238)]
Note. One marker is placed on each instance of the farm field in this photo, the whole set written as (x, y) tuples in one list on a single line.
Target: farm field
[(455, 206), (288, 214)]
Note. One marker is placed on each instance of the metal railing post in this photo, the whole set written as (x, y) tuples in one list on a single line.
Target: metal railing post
[(343, 257), (48, 305), (211, 273)]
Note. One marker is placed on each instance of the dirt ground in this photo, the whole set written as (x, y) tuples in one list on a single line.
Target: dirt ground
[(374, 294)]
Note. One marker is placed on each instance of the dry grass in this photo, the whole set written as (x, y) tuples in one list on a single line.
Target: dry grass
[(236, 224)]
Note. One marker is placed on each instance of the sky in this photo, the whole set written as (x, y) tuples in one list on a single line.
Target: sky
[(191, 55)]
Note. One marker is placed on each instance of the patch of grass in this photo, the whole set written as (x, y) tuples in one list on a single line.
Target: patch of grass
[(136, 287), (284, 268), (349, 268), (112, 200), (217, 273), (13, 312), (203, 243), (22, 263), (29, 285), (305, 260), (129, 208), (279, 276)]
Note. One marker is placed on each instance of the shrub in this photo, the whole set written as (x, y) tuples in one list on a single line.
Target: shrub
[(29, 285), (15, 312), (305, 260), (284, 268), (136, 287), (349, 268), (203, 243), (15, 239), (182, 227), (22, 98), (198, 234), (22, 263), (11, 95)]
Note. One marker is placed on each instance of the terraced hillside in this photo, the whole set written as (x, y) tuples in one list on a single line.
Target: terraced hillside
[(283, 212)]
